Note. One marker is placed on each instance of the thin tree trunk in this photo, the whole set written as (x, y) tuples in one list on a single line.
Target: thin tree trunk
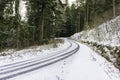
[(114, 14), (42, 25), (78, 21), (93, 13), (17, 23), (77, 26), (87, 13)]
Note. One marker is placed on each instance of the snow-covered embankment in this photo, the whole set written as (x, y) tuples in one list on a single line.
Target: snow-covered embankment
[(105, 39)]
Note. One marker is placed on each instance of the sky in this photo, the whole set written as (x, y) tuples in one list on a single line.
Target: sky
[(71, 1), (22, 10)]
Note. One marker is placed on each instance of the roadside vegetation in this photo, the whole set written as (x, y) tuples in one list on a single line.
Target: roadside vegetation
[(46, 19)]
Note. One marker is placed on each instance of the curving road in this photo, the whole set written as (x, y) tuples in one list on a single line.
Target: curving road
[(20, 68)]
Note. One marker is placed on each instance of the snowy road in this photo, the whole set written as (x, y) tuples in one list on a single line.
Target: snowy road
[(89, 65), (20, 68), (85, 64)]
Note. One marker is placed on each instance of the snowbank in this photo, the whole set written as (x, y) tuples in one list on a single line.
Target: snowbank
[(11, 55), (104, 39), (107, 33)]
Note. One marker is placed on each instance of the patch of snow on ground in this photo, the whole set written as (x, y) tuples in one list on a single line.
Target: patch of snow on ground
[(107, 33), (30, 53)]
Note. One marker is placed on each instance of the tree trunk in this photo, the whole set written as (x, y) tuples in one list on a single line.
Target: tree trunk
[(42, 25), (114, 14), (87, 13), (93, 12), (17, 22), (86, 26), (79, 21)]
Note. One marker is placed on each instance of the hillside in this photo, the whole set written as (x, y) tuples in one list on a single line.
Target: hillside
[(104, 39)]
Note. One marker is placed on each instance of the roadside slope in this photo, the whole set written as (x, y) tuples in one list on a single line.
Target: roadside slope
[(89, 65)]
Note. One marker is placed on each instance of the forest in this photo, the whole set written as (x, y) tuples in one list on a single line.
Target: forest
[(47, 19)]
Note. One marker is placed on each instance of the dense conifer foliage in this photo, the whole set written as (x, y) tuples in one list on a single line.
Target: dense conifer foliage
[(47, 19)]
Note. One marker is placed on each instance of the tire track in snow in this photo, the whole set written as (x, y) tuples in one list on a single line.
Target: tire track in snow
[(40, 64), (14, 65)]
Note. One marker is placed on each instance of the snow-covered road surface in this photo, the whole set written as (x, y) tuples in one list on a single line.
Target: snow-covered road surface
[(16, 69), (84, 65), (89, 65)]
